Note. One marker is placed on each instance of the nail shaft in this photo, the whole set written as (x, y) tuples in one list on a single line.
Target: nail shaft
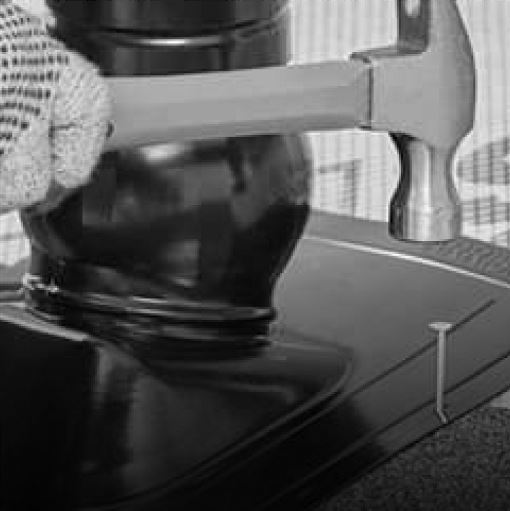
[(441, 330), (440, 376)]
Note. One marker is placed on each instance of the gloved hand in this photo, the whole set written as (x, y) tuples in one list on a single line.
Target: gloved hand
[(54, 114)]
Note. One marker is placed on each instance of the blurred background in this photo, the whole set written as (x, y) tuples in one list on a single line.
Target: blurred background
[(355, 172)]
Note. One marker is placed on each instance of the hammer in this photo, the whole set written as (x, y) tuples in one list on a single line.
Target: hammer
[(421, 90)]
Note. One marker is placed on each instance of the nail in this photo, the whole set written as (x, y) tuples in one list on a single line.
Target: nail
[(441, 328)]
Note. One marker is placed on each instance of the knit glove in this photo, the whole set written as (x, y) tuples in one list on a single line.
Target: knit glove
[(54, 114)]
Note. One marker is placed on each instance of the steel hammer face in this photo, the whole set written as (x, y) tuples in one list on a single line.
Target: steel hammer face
[(423, 93)]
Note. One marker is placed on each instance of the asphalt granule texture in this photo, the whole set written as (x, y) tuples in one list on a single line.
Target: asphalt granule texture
[(462, 467)]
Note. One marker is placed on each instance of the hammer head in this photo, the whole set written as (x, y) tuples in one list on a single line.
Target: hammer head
[(423, 93)]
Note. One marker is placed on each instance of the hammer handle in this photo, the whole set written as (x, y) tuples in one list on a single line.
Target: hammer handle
[(283, 99)]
